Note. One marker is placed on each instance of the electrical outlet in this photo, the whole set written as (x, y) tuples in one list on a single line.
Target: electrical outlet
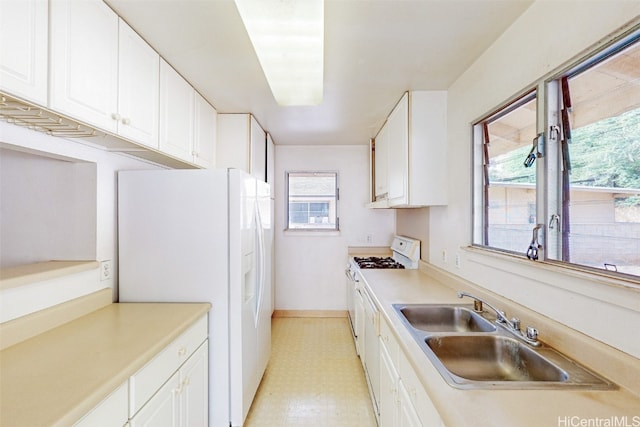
[(458, 260), (105, 270), (444, 256), (369, 238)]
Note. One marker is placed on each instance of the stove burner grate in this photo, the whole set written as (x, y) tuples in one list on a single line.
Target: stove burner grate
[(377, 262)]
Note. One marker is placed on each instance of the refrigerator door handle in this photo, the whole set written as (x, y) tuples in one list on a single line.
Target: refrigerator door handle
[(260, 263)]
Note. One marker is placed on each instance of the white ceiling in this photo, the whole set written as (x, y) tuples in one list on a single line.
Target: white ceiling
[(374, 51)]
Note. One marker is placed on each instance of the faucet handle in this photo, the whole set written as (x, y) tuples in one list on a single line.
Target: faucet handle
[(515, 323), (532, 333)]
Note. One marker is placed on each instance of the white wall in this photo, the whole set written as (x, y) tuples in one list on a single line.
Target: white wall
[(106, 165), (548, 35), (310, 265)]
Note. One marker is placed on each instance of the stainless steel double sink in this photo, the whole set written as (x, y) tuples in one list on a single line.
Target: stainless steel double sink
[(473, 352)]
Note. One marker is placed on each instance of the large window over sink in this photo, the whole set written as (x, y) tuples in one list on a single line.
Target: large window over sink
[(563, 185), (312, 200)]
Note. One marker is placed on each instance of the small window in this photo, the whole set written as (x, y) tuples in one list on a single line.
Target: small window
[(506, 191), (312, 201)]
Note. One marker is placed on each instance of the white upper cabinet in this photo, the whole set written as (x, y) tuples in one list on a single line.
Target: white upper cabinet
[(411, 152), (398, 153), (177, 103), (188, 123), (380, 164), (138, 88), (23, 49), (205, 135), (258, 148), (84, 61), (242, 144)]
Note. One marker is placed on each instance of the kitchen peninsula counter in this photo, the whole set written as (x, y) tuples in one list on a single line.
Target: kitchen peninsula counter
[(487, 407), (56, 377)]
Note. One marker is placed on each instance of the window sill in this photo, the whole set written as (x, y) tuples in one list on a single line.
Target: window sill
[(315, 232), (601, 286)]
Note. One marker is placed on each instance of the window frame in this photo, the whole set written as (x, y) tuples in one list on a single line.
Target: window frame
[(336, 197), (548, 162), (480, 205)]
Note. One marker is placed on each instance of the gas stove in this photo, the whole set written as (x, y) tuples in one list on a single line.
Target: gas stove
[(377, 262), (406, 254)]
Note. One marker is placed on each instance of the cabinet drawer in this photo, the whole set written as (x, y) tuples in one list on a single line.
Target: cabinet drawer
[(144, 383)]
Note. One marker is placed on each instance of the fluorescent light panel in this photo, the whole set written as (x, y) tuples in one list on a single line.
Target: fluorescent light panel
[(288, 37)]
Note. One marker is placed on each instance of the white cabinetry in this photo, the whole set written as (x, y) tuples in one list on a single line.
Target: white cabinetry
[(359, 322), (138, 88), (187, 121), (403, 400), (204, 133), (242, 144), (398, 153), (380, 164), (177, 103), (23, 49), (182, 400), (371, 360), (410, 152), (84, 61), (102, 72), (171, 390), (388, 402), (407, 415)]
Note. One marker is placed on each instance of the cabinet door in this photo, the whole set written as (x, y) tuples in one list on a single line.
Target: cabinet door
[(359, 325), (163, 410), (407, 416), (388, 401), (271, 152), (138, 88), (371, 348), (176, 113), (398, 152), (204, 139), (194, 394), (381, 163), (23, 49), (258, 151), (84, 61)]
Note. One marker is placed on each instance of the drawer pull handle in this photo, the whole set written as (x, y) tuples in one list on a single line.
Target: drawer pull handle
[(182, 351)]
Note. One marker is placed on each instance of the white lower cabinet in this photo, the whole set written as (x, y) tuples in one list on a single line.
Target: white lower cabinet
[(407, 415), (171, 390), (372, 349), (388, 402), (182, 400), (403, 402), (427, 413)]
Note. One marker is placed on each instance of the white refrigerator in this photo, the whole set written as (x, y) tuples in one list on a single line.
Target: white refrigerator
[(204, 236)]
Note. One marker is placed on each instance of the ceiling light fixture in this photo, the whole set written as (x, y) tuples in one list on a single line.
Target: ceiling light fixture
[(288, 37)]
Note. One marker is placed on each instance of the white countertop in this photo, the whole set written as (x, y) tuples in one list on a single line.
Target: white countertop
[(520, 408)]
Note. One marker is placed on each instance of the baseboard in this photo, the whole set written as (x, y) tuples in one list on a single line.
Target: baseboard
[(309, 313)]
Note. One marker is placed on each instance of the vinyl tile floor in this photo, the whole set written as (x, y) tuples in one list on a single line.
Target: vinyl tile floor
[(314, 378)]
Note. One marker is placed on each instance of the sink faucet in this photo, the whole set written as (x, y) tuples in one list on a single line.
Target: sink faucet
[(513, 325)]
